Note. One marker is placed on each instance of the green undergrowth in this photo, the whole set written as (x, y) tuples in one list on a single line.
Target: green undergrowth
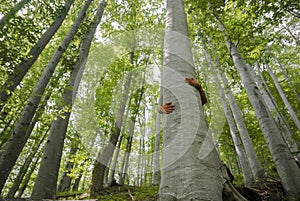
[(123, 193), (116, 193)]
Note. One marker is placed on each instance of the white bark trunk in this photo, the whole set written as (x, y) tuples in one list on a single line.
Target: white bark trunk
[(286, 166), (190, 161), (269, 99), (285, 74), (283, 97), (248, 177), (255, 165), (156, 155)]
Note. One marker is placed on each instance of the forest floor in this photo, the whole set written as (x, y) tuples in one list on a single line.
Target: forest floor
[(268, 191)]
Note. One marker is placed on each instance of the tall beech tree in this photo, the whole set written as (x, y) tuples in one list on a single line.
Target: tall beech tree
[(19, 135), (46, 182), (103, 159), (286, 166), (189, 158), (256, 167), (235, 135)]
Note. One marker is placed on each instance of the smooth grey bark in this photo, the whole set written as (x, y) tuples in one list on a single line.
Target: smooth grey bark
[(19, 72), (115, 161), (13, 11), (255, 165), (65, 182), (103, 159), (156, 155), (189, 158), (248, 177), (46, 181), (27, 177), (24, 168), (285, 74), (286, 166), (125, 165), (283, 97), (279, 118), (242, 157), (19, 135)]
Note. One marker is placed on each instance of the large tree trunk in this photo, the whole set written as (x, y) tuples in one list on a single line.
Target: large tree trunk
[(19, 135), (46, 181), (19, 72), (191, 165), (286, 166)]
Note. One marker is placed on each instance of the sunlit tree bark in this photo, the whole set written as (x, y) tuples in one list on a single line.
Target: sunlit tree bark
[(283, 97), (285, 74), (189, 155), (103, 159), (287, 168), (248, 177), (269, 99)]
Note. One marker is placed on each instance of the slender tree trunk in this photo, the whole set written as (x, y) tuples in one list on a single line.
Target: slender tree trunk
[(18, 179), (269, 99), (103, 159), (65, 182), (255, 165), (285, 74), (156, 155), (124, 170), (115, 161), (27, 177), (248, 177), (77, 182), (190, 158), (142, 151), (46, 181), (283, 97), (243, 160), (286, 166), (13, 11), (19, 135), (19, 72)]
